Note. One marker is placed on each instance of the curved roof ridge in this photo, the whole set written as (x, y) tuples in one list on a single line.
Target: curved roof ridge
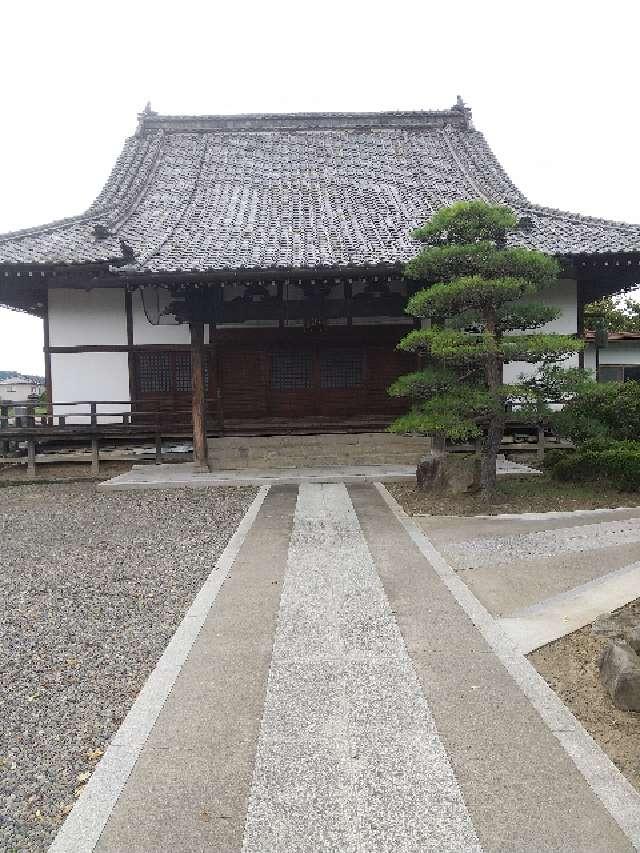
[(131, 198), (145, 257), (470, 180), (580, 218)]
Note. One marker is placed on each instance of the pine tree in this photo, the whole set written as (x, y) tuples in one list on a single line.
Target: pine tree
[(477, 298)]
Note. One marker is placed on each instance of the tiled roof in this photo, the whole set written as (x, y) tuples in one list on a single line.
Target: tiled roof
[(294, 191), (614, 336)]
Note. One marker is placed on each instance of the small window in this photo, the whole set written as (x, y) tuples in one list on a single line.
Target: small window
[(154, 372), (291, 371), (341, 368), (632, 372)]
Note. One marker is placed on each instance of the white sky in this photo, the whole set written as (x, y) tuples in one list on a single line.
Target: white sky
[(553, 85)]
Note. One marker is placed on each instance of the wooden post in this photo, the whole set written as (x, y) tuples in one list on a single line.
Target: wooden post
[(540, 447), (4, 424), (95, 455), (48, 382), (158, 448), (31, 456), (198, 398), (94, 409)]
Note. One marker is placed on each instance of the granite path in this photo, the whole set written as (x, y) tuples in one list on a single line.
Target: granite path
[(346, 692)]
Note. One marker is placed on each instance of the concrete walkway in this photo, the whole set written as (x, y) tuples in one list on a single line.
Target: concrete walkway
[(347, 693)]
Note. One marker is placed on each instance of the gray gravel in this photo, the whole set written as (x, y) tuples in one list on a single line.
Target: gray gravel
[(93, 586)]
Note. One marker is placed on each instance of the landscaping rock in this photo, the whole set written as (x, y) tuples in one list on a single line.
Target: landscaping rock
[(632, 636), (619, 669), (618, 626), (441, 472)]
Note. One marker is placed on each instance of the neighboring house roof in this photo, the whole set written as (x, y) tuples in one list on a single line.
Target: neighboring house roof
[(614, 336), (19, 380), (294, 191)]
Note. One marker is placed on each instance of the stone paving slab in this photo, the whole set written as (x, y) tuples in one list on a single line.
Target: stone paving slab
[(183, 476)]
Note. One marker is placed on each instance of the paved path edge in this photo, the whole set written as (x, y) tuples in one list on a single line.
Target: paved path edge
[(82, 828), (617, 795), (545, 621)]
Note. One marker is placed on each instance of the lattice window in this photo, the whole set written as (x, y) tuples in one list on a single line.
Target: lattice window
[(161, 371), (291, 371), (341, 368), (154, 372)]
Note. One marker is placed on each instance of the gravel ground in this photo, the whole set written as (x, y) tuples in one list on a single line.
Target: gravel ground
[(500, 550), (93, 586), (570, 668)]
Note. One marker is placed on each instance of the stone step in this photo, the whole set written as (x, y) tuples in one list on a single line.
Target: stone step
[(229, 443), (320, 450)]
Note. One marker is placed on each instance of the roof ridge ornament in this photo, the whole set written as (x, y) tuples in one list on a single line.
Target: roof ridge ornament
[(465, 109), (147, 112)]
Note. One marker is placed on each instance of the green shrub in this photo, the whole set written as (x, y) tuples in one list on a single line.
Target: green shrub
[(617, 462), (607, 410)]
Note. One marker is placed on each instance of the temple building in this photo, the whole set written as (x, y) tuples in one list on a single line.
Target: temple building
[(247, 269)]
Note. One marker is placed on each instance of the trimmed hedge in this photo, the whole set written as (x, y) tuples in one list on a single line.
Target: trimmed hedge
[(617, 462), (607, 410)]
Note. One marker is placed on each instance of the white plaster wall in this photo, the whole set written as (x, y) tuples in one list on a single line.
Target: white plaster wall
[(561, 295), (618, 352), (78, 376), (145, 333), (81, 317)]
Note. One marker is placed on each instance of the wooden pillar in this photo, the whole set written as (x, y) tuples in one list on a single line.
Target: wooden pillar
[(541, 443), (48, 382), (198, 397), (95, 455), (158, 448), (580, 286), (31, 456)]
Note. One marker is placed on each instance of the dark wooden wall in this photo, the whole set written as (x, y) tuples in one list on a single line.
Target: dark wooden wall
[(241, 385)]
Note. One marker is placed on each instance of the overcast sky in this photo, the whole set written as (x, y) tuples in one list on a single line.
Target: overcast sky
[(552, 85)]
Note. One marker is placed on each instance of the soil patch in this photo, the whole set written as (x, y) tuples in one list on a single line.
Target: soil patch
[(526, 494), (569, 666), (59, 472)]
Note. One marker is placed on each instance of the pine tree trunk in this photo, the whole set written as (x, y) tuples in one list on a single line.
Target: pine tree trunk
[(495, 429)]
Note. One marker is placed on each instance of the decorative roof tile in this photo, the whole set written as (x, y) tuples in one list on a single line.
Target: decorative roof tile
[(294, 191)]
